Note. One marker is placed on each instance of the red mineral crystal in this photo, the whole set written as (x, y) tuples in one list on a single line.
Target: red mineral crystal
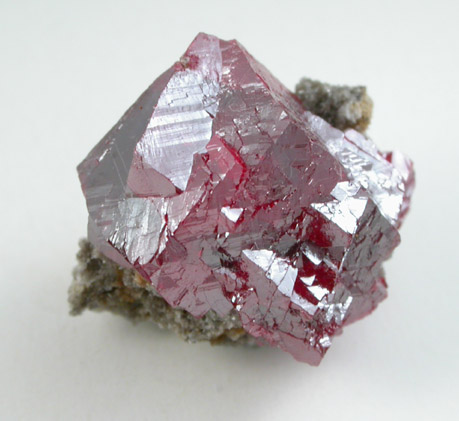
[(219, 188)]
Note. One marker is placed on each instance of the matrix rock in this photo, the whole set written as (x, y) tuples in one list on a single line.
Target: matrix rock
[(344, 107), (100, 284)]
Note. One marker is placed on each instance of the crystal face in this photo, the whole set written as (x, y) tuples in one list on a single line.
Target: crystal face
[(222, 191)]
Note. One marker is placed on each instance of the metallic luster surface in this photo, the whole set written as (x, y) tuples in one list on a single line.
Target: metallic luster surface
[(223, 192)]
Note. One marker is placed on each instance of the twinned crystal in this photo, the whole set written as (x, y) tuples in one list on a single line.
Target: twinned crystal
[(221, 191)]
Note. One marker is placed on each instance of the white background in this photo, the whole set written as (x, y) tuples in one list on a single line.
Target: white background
[(69, 69)]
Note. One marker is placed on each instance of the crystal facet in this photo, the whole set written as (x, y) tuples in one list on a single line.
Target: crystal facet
[(220, 189)]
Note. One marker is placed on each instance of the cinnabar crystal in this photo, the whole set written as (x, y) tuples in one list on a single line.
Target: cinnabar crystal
[(222, 191)]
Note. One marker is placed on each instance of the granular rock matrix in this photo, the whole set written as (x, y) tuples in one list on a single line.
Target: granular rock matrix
[(343, 107), (220, 201)]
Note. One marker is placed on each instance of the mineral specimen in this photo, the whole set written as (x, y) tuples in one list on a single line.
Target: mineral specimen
[(223, 197)]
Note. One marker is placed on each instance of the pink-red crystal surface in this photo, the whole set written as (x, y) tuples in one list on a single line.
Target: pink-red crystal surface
[(223, 192)]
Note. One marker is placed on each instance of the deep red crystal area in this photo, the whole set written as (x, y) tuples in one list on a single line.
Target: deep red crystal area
[(223, 192)]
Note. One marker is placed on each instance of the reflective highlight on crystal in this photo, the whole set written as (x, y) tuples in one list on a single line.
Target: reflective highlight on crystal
[(222, 191)]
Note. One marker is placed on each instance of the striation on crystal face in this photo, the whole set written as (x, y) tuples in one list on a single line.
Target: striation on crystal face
[(224, 193)]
